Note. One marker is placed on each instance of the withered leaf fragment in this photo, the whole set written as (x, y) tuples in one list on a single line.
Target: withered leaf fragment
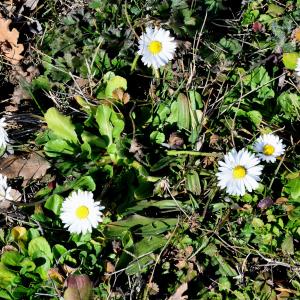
[(9, 47)]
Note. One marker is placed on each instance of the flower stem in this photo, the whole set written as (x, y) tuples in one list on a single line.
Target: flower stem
[(194, 153), (134, 63), (156, 73)]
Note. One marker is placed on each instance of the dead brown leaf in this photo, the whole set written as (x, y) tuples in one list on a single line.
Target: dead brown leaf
[(281, 200), (18, 75), (7, 248), (109, 267), (68, 270), (153, 288), (79, 287), (121, 96), (175, 140), (213, 140), (16, 196), (9, 46), (179, 292), (296, 34), (31, 4), (34, 166), (54, 274)]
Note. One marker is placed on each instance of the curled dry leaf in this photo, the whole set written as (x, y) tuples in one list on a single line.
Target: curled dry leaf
[(32, 167), (79, 287), (296, 34), (175, 140), (54, 274), (9, 46), (153, 288)]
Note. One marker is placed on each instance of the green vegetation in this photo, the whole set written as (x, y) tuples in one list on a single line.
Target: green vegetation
[(147, 144)]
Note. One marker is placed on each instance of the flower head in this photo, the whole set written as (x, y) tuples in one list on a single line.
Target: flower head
[(80, 213), (268, 147), (157, 47), (298, 67), (4, 189), (239, 172), (3, 134)]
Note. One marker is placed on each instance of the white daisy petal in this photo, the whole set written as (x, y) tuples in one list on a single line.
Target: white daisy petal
[(3, 134), (156, 47), (268, 147), (298, 67), (80, 213), (5, 190), (239, 172)]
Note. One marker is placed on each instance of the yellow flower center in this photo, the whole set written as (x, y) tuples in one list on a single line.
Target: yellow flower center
[(82, 212), (268, 150), (239, 172), (155, 47)]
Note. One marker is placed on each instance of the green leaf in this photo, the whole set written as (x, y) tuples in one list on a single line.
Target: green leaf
[(7, 277), (157, 137), (117, 82), (183, 118), (149, 244), (231, 45), (255, 116), (224, 268), (275, 10), (192, 183), (161, 114), (55, 148), (162, 204), (54, 203), (118, 124), (257, 223), (141, 254), (290, 105), (224, 284), (5, 295), (27, 266), (172, 118), (287, 245), (103, 119), (196, 100), (41, 83), (95, 4), (290, 60), (39, 247), (293, 188), (2, 150), (258, 77), (11, 258), (140, 224), (61, 125), (84, 183), (93, 139), (162, 163), (43, 269), (59, 250)]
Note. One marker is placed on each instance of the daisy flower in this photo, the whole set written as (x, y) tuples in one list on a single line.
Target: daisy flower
[(80, 213), (298, 67), (4, 189), (239, 172), (157, 47), (3, 134), (268, 147)]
